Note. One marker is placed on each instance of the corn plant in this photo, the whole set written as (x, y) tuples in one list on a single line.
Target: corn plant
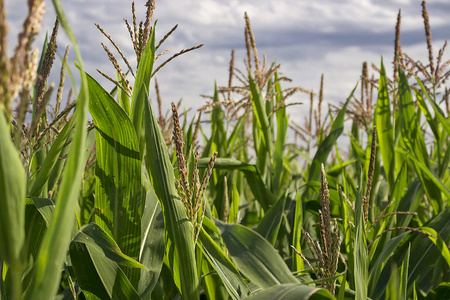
[(114, 208)]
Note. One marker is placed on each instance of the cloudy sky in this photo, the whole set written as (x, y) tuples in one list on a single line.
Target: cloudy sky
[(307, 38)]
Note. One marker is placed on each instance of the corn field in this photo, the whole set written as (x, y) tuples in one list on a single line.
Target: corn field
[(105, 196)]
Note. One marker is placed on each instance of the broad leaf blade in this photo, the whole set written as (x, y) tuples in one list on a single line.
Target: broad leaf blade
[(96, 238), (56, 241), (432, 185), (151, 253), (423, 256), (119, 198), (259, 111), (252, 175), (385, 130), (254, 256), (439, 242), (411, 132), (291, 292), (360, 253), (142, 84), (226, 270), (180, 231), (51, 160), (280, 144), (437, 110), (375, 272), (270, 224), (99, 275), (12, 205), (218, 132)]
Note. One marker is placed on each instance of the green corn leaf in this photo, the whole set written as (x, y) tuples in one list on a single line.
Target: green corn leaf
[(440, 116), (358, 152), (426, 112), (280, 144), (254, 256), (142, 86), (397, 281), (51, 160), (402, 290), (411, 133), (381, 243), (151, 253), (259, 112), (38, 214), (432, 185), (98, 239), (360, 253), (437, 110), (218, 132), (439, 242), (47, 272), (337, 169), (45, 207), (124, 99), (233, 216), (423, 257), (326, 146), (252, 175), (291, 292), (180, 231), (297, 261), (262, 154), (341, 288), (12, 198), (55, 174), (269, 225), (35, 227), (413, 139), (385, 131), (212, 284), (270, 104), (225, 269), (12, 202), (189, 139), (234, 137), (441, 292), (95, 261), (392, 292), (119, 198)]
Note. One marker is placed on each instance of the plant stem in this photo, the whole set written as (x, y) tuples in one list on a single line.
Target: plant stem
[(16, 280)]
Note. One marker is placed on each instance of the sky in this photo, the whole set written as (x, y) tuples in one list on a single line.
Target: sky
[(308, 38)]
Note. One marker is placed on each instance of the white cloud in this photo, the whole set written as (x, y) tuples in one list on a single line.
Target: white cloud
[(307, 37)]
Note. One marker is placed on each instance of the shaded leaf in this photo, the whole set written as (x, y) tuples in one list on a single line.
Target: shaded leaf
[(385, 131), (254, 256), (291, 292), (119, 199), (226, 270), (151, 253), (179, 230)]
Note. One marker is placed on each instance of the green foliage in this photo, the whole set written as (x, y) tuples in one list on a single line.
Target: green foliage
[(111, 209)]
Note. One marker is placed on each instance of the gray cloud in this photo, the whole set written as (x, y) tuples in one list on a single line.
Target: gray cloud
[(307, 37)]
